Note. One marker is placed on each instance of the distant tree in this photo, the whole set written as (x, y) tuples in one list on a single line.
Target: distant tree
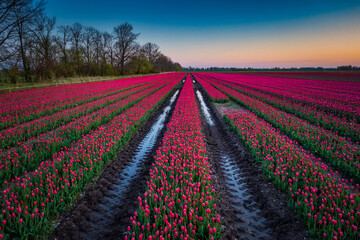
[(7, 26), (33, 48), (24, 15), (125, 44), (97, 44), (139, 65), (178, 67), (344, 68), (12, 14), (151, 51), (107, 58), (62, 39), (165, 64), (108, 48), (87, 47), (76, 34), (44, 47)]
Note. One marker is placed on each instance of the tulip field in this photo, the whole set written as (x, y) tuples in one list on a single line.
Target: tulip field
[(179, 196), (50, 164), (299, 136), (305, 135)]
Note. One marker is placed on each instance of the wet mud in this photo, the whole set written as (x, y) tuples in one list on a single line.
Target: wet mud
[(249, 205), (109, 201)]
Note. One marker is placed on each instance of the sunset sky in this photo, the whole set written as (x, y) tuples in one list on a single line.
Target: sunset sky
[(232, 33)]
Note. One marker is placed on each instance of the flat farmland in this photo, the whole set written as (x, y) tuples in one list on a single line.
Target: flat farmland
[(350, 76), (197, 155)]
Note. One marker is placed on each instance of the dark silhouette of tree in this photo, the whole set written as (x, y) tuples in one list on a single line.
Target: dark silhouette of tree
[(76, 37), (33, 48), (139, 65), (12, 14), (24, 15), (151, 51), (43, 45), (62, 39), (125, 44)]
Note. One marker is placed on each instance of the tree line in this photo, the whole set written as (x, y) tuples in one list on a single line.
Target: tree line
[(273, 69), (34, 48)]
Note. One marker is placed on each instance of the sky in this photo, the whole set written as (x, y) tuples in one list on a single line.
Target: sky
[(225, 33)]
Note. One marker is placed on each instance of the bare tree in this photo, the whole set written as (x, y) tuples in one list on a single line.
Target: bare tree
[(24, 15), (43, 44), (76, 37), (125, 44), (151, 51), (108, 48), (62, 39), (32, 46), (97, 43), (9, 21), (87, 49), (7, 26), (165, 64)]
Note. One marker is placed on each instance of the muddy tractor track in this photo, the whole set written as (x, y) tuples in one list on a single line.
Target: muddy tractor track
[(110, 200), (250, 206)]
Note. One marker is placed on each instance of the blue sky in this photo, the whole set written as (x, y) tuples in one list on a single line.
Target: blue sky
[(230, 33)]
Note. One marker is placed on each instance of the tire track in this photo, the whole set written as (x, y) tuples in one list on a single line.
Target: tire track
[(250, 207)]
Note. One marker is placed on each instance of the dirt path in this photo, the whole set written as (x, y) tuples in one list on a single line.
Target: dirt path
[(105, 209), (250, 207)]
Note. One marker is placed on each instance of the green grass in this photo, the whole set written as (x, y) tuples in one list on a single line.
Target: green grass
[(9, 87)]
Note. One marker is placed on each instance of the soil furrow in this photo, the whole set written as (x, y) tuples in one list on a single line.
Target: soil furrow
[(107, 205), (250, 206)]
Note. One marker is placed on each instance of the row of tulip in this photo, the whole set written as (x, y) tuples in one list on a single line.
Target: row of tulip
[(60, 93), (342, 125), (15, 136), (31, 203), (333, 148), (333, 91), (179, 201), (23, 111), (301, 79), (28, 156), (330, 206), (347, 108), (333, 94), (214, 94), (36, 93)]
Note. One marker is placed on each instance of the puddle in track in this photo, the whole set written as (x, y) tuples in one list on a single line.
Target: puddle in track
[(130, 172), (205, 109), (249, 221)]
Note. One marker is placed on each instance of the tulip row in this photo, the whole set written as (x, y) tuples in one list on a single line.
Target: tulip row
[(29, 155), (11, 137), (22, 111), (179, 200), (342, 154), (342, 125), (301, 81), (345, 108), (330, 206), (214, 94), (65, 93), (31, 203), (344, 92)]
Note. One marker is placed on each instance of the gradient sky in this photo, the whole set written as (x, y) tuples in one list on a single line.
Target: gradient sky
[(231, 33)]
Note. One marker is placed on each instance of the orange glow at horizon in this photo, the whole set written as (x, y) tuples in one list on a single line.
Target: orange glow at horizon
[(329, 46)]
